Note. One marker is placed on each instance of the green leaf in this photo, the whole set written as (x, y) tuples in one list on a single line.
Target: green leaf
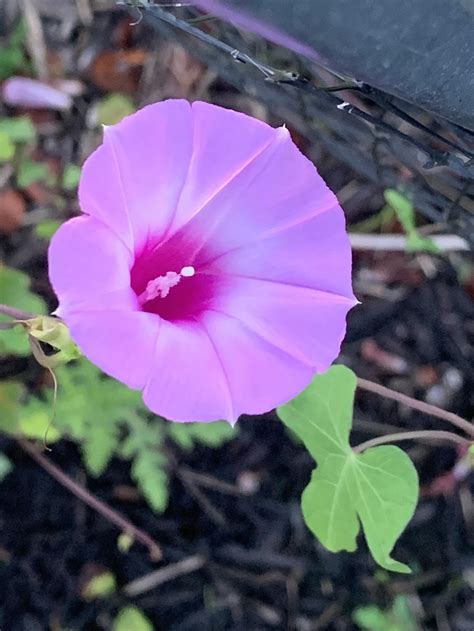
[(12, 56), (124, 542), (417, 243), (5, 466), (143, 446), (99, 445), (376, 222), (403, 615), (327, 505), (132, 619), (406, 216), (96, 412), (91, 409), (31, 171), (186, 435), (7, 148), (112, 108), (106, 418), (403, 207), (19, 129), (19, 33), (311, 415), (378, 488), (71, 177), (371, 618), (46, 229), (15, 291), (11, 393), (398, 618), (11, 60), (100, 586), (36, 424), (149, 472)]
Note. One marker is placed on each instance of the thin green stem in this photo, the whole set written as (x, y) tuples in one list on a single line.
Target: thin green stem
[(421, 406), (426, 434)]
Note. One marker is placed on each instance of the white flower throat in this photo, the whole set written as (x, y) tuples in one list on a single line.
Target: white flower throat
[(161, 286)]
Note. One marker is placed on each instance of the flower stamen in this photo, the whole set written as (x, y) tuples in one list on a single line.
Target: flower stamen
[(160, 286)]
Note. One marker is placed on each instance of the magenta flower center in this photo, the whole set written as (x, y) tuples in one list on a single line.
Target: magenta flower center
[(168, 280)]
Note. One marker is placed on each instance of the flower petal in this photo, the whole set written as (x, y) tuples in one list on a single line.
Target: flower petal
[(121, 343), (187, 383), (132, 182), (31, 93), (315, 253), (276, 189), (225, 143), (305, 323), (259, 375), (86, 261)]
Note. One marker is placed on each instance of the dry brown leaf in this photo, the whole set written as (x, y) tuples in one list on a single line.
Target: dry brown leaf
[(118, 71), (12, 211)]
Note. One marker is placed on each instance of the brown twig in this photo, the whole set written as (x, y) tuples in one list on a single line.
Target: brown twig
[(208, 481), (35, 40), (163, 575), (421, 406), (426, 434), (91, 500), (213, 513)]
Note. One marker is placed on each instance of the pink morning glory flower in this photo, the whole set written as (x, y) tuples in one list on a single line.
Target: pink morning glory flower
[(210, 269)]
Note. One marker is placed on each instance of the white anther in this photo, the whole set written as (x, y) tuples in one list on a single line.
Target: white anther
[(160, 286), (187, 271)]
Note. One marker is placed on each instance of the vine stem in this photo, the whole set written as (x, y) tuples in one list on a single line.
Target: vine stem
[(426, 434), (17, 314), (92, 501), (415, 404)]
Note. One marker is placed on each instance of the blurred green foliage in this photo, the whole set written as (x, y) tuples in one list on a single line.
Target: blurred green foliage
[(71, 177), (19, 129), (106, 419), (405, 213), (112, 108), (7, 147), (398, 618), (5, 466), (31, 171), (46, 229), (15, 292), (100, 586), (11, 393), (132, 619), (12, 54), (14, 130), (186, 435)]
